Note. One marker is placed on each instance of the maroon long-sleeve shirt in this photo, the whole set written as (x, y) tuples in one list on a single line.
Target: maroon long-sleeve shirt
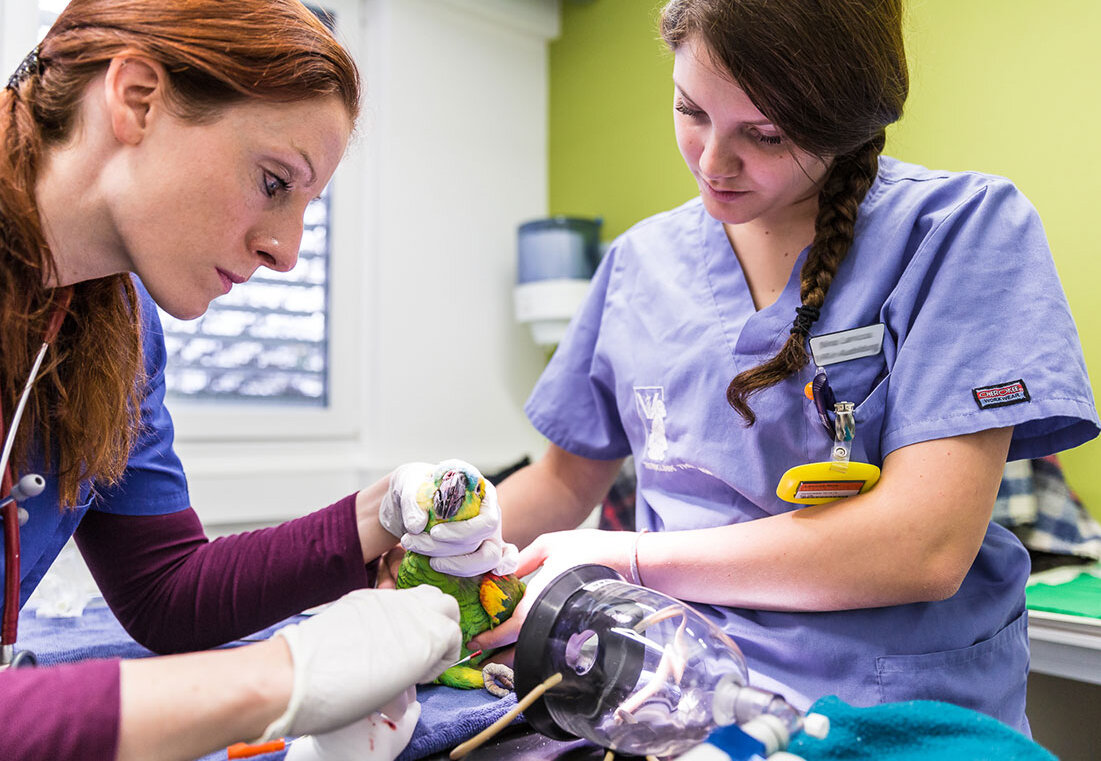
[(174, 590)]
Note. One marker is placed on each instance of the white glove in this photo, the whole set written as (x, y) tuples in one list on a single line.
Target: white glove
[(378, 737), (363, 651), (460, 548)]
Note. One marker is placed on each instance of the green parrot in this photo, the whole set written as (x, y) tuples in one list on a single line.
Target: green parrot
[(455, 494)]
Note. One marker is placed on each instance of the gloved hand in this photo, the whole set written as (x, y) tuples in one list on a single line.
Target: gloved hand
[(460, 548), (363, 651), (378, 737)]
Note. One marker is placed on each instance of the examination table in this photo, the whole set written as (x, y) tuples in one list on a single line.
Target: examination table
[(450, 716)]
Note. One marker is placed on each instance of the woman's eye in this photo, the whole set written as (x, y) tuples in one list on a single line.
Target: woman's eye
[(767, 139), (274, 185), (687, 110)]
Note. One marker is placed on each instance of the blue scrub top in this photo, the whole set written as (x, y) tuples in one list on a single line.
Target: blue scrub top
[(957, 267), (153, 483)]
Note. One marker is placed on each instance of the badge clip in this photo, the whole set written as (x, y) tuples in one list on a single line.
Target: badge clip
[(844, 426)]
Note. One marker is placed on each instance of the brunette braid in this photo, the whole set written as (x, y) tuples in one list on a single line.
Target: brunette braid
[(849, 179)]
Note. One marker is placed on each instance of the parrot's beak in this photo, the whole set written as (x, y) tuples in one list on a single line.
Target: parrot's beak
[(449, 497)]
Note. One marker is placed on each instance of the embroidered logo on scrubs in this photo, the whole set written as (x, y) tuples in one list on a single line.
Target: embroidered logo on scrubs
[(1001, 395), (650, 403)]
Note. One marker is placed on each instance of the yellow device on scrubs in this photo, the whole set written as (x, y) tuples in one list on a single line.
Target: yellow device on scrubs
[(816, 483)]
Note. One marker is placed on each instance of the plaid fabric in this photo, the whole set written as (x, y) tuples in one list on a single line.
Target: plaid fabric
[(1035, 503)]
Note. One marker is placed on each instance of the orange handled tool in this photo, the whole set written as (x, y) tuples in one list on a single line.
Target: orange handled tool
[(244, 750)]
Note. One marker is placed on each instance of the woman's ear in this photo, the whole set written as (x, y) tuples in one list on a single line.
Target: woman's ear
[(134, 94)]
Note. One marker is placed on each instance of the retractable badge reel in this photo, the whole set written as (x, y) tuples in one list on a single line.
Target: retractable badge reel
[(816, 483)]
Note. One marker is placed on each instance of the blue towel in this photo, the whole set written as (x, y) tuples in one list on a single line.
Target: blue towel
[(916, 730), (95, 634), (449, 716)]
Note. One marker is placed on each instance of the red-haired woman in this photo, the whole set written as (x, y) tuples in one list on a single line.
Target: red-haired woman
[(181, 140)]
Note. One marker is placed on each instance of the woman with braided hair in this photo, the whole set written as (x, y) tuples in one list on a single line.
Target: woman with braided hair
[(925, 303)]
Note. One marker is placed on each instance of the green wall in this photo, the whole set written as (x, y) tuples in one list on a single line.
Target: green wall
[(612, 152), (1010, 87)]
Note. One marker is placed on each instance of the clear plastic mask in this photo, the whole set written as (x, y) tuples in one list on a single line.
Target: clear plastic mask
[(643, 673)]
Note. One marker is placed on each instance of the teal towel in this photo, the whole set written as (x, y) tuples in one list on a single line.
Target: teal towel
[(916, 730)]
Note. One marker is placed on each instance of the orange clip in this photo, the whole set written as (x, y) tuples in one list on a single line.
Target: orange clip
[(244, 750)]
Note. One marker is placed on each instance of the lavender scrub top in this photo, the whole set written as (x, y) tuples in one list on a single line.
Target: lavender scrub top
[(153, 483), (958, 269)]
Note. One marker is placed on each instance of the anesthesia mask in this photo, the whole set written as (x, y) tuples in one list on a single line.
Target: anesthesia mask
[(642, 673)]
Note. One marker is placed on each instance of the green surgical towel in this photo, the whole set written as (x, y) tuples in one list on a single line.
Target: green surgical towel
[(1078, 597), (916, 730)]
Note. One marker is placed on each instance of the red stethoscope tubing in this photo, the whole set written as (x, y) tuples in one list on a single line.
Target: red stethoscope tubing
[(11, 561), (12, 580)]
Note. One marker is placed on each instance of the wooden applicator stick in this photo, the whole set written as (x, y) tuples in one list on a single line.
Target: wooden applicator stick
[(478, 739)]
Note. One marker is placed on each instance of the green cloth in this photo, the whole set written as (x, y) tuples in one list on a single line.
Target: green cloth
[(1079, 597)]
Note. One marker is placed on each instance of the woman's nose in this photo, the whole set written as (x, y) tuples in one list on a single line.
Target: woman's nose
[(278, 248), (719, 159)]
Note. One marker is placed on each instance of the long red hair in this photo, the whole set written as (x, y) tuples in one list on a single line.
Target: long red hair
[(83, 414)]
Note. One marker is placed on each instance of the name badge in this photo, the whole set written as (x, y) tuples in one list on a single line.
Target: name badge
[(831, 348)]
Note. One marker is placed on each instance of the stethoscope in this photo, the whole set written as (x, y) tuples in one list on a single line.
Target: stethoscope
[(30, 485)]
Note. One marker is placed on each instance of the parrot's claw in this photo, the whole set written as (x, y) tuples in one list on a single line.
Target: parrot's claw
[(498, 679)]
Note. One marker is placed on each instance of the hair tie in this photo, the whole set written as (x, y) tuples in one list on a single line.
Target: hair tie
[(32, 64), (805, 317)]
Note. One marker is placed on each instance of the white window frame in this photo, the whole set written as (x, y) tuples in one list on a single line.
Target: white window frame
[(198, 421)]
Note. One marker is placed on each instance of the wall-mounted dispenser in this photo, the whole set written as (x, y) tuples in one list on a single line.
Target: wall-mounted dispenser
[(556, 257)]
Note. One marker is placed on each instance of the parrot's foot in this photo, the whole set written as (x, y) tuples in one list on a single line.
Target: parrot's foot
[(498, 679)]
